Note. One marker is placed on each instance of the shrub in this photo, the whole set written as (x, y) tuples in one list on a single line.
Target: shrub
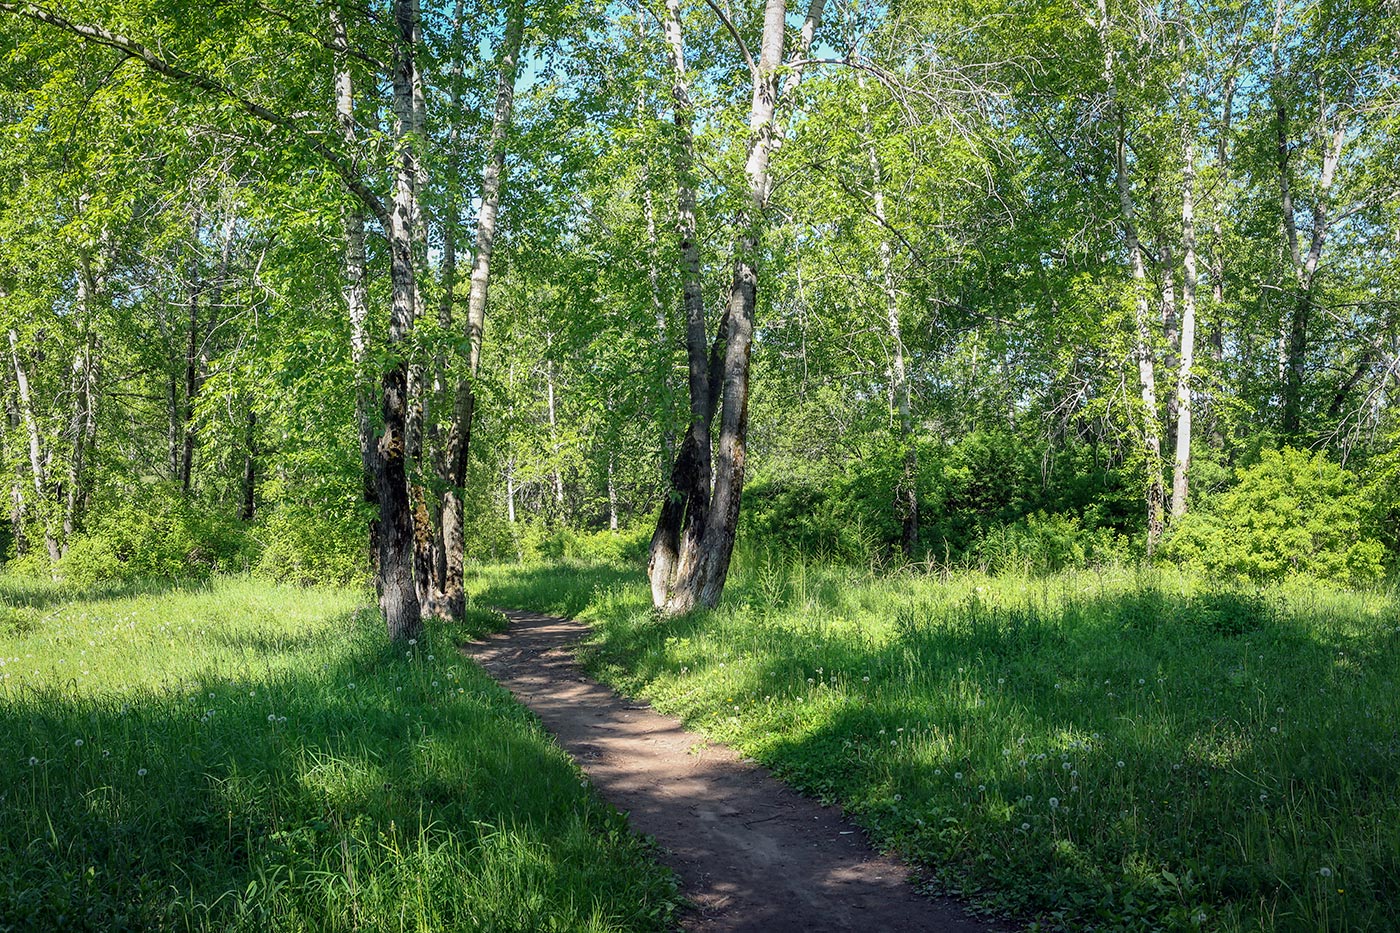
[(1043, 543), (165, 538), (1291, 513), (314, 546)]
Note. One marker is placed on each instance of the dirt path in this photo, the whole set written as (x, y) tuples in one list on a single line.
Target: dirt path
[(750, 853)]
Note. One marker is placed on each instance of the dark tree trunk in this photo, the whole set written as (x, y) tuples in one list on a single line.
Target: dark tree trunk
[(250, 467)]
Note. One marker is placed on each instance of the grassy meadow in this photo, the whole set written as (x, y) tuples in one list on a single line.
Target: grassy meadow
[(1116, 750), (246, 756)]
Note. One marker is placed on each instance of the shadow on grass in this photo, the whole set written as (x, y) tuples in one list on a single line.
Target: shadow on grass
[(36, 593), (1216, 754), (359, 789)]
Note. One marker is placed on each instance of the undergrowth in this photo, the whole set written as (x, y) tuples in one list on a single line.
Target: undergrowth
[(246, 756), (1121, 750)]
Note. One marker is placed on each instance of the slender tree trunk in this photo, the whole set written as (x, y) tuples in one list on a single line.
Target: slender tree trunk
[(250, 467), (555, 450), (906, 492), (1171, 324), (1182, 465), (458, 444), (612, 496), (1217, 259), (1147, 381), (36, 456), (510, 490), (356, 291), (191, 388), (663, 343), (83, 424)]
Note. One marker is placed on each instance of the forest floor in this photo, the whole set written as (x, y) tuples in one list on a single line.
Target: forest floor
[(752, 855), (1118, 748), (239, 755)]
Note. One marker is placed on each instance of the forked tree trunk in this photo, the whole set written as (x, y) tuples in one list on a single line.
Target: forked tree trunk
[(688, 496), (1294, 340), (707, 548)]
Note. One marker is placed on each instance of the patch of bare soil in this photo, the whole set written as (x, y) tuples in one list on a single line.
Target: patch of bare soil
[(751, 854)]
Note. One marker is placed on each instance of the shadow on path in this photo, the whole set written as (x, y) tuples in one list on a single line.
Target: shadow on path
[(751, 853)]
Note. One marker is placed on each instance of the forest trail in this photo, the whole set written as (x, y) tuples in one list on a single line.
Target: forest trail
[(751, 854)]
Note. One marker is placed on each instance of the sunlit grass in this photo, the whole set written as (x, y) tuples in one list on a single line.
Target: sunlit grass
[(257, 757), (1119, 750)]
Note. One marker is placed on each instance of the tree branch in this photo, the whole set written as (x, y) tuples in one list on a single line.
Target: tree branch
[(738, 39), (100, 36)]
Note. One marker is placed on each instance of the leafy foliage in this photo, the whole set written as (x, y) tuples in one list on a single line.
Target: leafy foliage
[(1293, 512)]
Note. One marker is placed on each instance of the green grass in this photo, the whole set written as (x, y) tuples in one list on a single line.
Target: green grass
[(1110, 751), (245, 756)]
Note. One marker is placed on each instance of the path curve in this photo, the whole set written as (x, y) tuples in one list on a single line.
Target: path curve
[(751, 854)]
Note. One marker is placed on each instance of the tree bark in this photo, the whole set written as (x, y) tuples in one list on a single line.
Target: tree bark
[(1182, 464), (36, 455), (1142, 318), (194, 289), (557, 458), (250, 467), (83, 426), (706, 550), (687, 497), (398, 595), (458, 443), (612, 496), (356, 291), (1294, 342), (906, 492)]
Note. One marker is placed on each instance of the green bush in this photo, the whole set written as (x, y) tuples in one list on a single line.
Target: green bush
[(314, 546), (166, 537), (628, 546), (835, 523), (1043, 543), (1291, 513)]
